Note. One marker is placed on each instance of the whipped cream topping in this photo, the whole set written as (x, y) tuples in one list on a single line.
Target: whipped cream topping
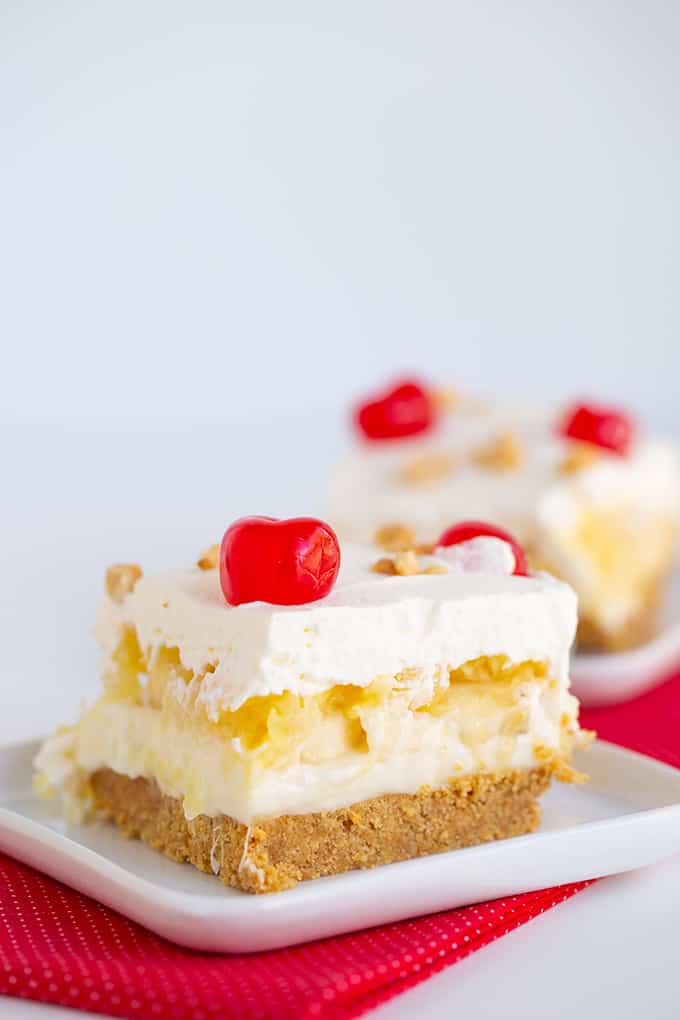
[(370, 625)]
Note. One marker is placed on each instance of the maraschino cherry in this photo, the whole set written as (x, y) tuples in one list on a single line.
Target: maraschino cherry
[(602, 426), (286, 563), (405, 409), (464, 531)]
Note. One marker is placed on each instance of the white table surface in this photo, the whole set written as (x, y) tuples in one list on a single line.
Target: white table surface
[(79, 498)]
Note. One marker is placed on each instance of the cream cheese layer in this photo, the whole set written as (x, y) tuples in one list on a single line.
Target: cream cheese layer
[(405, 748)]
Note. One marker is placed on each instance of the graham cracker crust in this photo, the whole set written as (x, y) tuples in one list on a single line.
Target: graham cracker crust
[(277, 853)]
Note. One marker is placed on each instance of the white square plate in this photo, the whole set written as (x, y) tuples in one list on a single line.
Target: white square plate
[(627, 816), (606, 677)]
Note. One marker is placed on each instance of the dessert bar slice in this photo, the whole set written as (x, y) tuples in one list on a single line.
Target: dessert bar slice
[(420, 704)]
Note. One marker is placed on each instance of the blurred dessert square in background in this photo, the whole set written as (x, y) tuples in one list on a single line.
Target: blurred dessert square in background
[(593, 500)]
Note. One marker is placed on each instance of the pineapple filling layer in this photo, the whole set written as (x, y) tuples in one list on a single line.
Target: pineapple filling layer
[(276, 728), (291, 754), (623, 552), (615, 559)]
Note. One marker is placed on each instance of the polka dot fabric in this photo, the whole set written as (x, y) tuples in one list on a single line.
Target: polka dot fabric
[(61, 947)]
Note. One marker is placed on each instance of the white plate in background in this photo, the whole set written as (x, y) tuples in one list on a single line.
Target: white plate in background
[(602, 678), (627, 816)]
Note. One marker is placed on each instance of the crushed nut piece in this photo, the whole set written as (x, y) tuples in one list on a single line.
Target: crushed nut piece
[(210, 558), (406, 563), (121, 579), (385, 565), (503, 453), (429, 468), (445, 398), (578, 457), (395, 537), (425, 548)]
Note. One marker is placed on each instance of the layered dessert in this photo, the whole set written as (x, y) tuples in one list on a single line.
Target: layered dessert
[(285, 710), (593, 501)]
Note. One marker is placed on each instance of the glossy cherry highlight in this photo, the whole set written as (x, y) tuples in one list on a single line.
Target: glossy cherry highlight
[(602, 426), (466, 530), (405, 409), (286, 563)]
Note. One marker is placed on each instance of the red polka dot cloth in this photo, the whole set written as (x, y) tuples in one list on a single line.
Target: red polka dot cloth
[(61, 947)]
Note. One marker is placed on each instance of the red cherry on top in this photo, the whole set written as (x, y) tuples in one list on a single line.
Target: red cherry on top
[(600, 426), (466, 530), (403, 410), (286, 563)]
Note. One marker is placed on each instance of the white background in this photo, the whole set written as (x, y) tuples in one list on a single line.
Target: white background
[(261, 205), (223, 221), (220, 222)]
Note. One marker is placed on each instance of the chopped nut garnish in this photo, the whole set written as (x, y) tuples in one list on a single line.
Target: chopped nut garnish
[(395, 537), (578, 457), (121, 579), (385, 565), (503, 453), (429, 468), (425, 548), (406, 563), (210, 558), (445, 398)]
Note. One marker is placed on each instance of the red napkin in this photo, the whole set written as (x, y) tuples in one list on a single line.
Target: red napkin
[(60, 947), (649, 724)]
